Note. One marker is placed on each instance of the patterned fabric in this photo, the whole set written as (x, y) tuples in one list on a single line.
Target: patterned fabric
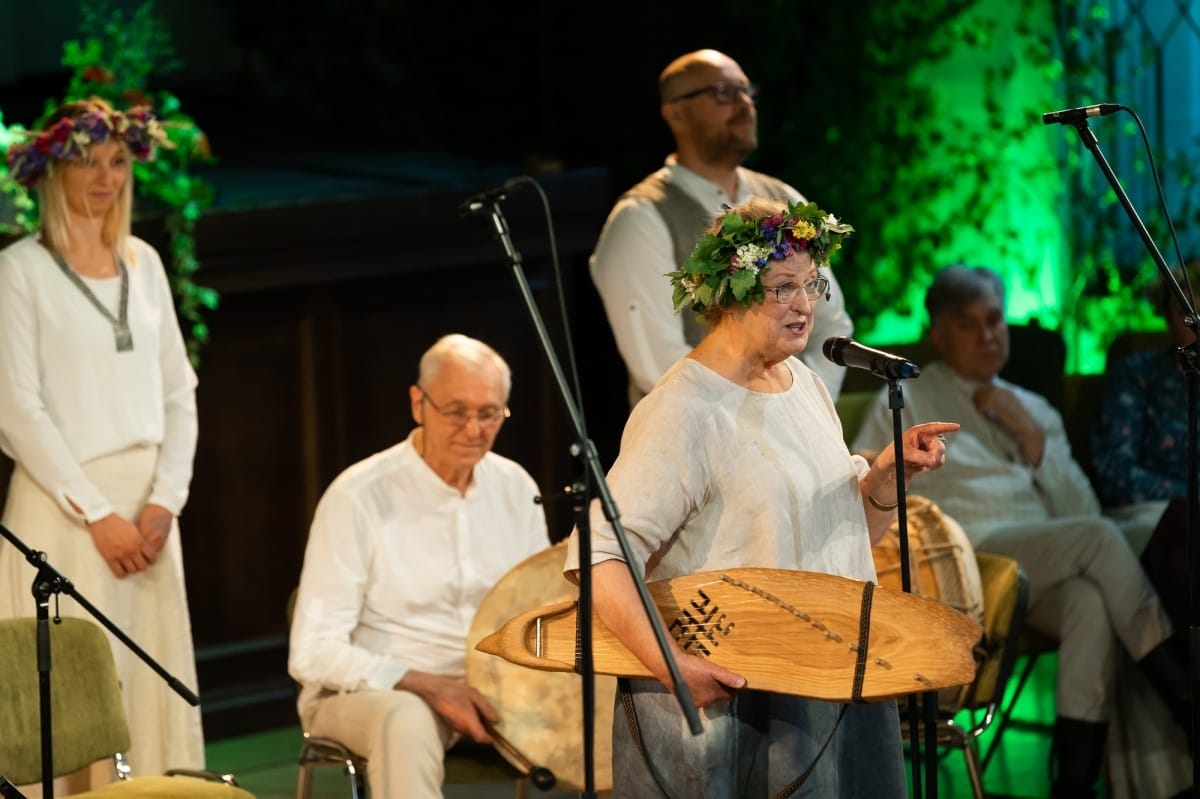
[(1139, 447)]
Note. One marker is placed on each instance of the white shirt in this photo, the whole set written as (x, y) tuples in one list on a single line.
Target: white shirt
[(634, 253), (67, 396), (712, 475), (985, 482), (396, 565)]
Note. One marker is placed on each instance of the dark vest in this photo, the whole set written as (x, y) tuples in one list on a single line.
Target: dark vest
[(687, 220)]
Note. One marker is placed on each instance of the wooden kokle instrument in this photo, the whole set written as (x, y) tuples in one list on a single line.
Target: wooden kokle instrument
[(805, 633)]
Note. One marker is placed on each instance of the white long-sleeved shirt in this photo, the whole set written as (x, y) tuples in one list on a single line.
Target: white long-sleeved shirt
[(396, 565), (634, 253), (68, 396), (712, 475), (985, 483)]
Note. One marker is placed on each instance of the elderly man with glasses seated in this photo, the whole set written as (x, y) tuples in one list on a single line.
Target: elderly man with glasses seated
[(709, 105), (403, 547)]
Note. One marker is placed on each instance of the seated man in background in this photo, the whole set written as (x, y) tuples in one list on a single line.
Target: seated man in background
[(709, 104), (1011, 482), (404, 545)]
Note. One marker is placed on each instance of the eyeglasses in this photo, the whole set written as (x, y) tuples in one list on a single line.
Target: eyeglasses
[(723, 93), (487, 416), (813, 288)]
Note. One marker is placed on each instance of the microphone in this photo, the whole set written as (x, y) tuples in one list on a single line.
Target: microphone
[(1071, 116), (477, 202), (845, 351)]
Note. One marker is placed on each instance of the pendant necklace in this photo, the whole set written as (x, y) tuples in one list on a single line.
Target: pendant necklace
[(120, 323)]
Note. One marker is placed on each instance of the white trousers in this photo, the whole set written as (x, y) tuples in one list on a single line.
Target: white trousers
[(150, 607), (1086, 589), (404, 741)]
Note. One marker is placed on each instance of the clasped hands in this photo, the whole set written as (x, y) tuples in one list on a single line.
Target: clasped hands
[(131, 547)]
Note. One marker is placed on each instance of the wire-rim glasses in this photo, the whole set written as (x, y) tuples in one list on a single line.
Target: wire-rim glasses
[(786, 292), (487, 416)]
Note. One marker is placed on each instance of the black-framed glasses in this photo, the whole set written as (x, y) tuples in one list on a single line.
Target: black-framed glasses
[(723, 93), (487, 416), (786, 292)]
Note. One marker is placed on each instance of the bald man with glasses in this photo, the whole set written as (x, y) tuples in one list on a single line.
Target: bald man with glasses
[(709, 105)]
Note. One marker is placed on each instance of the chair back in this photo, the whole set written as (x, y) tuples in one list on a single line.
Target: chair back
[(87, 720), (1005, 599)]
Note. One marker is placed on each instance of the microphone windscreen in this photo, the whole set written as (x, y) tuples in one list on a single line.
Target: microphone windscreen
[(833, 347)]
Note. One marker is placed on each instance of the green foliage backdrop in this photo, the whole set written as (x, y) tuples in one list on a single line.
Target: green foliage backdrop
[(920, 123)]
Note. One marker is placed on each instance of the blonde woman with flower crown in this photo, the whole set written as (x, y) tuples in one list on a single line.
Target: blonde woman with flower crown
[(98, 412), (736, 459)]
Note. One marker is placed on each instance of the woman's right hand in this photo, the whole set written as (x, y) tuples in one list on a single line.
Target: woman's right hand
[(120, 544), (707, 682)]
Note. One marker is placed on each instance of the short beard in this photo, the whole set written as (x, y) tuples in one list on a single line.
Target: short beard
[(727, 153), (728, 150)]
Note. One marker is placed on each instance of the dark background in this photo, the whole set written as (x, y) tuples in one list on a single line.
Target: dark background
[(527, 84)]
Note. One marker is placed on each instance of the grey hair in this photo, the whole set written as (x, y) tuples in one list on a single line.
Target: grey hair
[(466, 350), (960, 285)]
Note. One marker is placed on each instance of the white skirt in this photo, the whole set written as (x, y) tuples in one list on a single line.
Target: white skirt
[(150, 607)]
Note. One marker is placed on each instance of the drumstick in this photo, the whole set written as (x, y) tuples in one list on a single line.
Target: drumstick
[(542, 778)]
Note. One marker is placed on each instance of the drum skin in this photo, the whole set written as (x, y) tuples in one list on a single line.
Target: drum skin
[(941, 560), (541, 712)]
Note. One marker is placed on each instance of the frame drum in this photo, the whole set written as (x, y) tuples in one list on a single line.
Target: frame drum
[(541, 712), (941, 559)]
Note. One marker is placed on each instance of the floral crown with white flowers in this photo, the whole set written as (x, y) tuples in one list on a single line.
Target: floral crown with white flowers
[(727, 265), (69, 138)]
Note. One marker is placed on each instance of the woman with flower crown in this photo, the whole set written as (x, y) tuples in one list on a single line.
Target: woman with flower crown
[(98, 412), (736, 459)]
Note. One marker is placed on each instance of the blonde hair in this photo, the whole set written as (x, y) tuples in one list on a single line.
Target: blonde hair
[(52, 195)]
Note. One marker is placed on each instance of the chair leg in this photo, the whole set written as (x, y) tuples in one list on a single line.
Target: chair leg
[(304, 783), (1006, 712), (357, 791), (974, 771)]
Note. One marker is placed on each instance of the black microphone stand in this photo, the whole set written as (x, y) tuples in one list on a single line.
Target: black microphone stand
[(928, 700), (594, 480), (9, 791), (49, 582), (1188, 361)]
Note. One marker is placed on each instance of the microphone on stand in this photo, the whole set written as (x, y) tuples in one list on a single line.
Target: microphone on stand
[(1072, 116), (478, 202), (844, 351)]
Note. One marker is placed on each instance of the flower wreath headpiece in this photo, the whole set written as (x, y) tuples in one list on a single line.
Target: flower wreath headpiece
[(69, 138), (727, 265)]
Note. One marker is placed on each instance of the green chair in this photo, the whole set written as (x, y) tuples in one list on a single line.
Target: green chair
[(87, 717)]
